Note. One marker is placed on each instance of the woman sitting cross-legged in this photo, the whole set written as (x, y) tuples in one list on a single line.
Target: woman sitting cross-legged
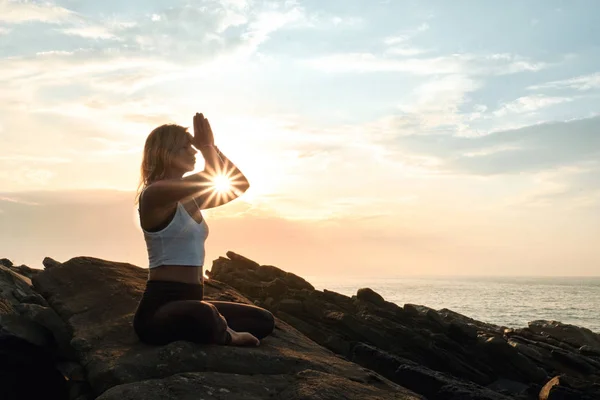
[(172, 307)]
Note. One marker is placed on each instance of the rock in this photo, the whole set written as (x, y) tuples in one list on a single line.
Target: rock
[(31, 333), (379, 335), (47, 317), (307, 384), (573, 335), (589, 351), (29, 298), (462, 333), (80, 312), (263, 274), (24, 270), (367, 294), (509, 387), (28, 371), (452, 316), (50, 263), (412, 310), (98, 298), (378, 360), (290, 305), (436, 385), (531, 351), (515, 365), (6, 262), (574, 361), (564, 388), (14, 286)]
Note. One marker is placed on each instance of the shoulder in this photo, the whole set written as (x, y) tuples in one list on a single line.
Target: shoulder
[(152, 195)]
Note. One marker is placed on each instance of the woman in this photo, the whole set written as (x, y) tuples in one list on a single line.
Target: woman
[(172, 307)]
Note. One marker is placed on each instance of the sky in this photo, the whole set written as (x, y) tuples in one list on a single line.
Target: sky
[(380, 138)]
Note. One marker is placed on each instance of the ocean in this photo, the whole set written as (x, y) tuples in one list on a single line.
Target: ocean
[(505, 301)]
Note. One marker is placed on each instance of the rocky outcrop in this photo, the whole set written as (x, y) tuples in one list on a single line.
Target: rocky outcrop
[(36, 359), (438, 353), (68, 328), (97, 300), (22, 270)]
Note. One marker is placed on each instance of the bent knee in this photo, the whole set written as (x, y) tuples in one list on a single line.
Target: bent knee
[(268, 323)]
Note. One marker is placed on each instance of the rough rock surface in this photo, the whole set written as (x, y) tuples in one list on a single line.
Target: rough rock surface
[(34, 344), (69, 327), (97, 299), (437, 353)]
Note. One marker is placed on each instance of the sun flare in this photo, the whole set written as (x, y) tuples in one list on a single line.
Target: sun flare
[(222, 183)]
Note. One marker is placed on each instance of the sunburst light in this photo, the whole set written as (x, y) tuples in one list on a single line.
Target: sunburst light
[(222, 183)]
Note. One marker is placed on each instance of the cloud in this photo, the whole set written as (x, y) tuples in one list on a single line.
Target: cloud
[(529, 149), (66, 67), (443, 94), (494, 64), (573, 187), (270, 21), (16, 199), (406, 36), (24, 177), (91, 32), (531, 103), (584, 82), (16, 12), (434, 107), (34, 159), (347, 21), (405, 51)]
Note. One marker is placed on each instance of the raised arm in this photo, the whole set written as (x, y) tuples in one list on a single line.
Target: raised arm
[(219, 183), (226, 181)]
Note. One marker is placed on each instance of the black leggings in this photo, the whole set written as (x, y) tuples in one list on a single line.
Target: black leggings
[(171, 311)]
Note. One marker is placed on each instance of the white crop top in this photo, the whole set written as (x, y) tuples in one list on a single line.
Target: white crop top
[(181, 242)]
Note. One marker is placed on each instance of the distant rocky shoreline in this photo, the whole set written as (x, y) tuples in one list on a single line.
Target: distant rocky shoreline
[(65, 333)]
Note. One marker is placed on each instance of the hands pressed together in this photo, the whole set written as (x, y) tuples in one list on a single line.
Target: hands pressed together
[(203, 134)]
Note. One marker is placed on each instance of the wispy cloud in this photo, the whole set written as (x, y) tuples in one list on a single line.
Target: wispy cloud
[(533, 148), (494, 64), (18, 200), (91, 32), (406, 36), (16, 12), (270, 21), (531, 103), (574, 186), (34, 159), (584, 82)]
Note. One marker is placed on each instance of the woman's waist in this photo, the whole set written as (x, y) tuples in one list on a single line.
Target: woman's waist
[(188, 274)]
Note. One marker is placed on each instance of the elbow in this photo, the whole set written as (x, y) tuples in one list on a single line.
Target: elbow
[(245, 186)]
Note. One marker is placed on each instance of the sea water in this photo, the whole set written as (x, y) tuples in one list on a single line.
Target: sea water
[(505, 301)]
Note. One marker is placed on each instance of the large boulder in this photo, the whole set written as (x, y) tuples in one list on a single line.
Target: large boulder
[(98, 298), (34, 344)]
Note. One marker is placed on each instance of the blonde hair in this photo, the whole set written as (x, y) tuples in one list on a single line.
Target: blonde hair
[(161, 146)]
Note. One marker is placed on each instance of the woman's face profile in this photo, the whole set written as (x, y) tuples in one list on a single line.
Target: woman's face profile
[(184, 155)]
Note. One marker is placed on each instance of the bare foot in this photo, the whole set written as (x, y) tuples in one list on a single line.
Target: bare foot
[(243, 339)]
